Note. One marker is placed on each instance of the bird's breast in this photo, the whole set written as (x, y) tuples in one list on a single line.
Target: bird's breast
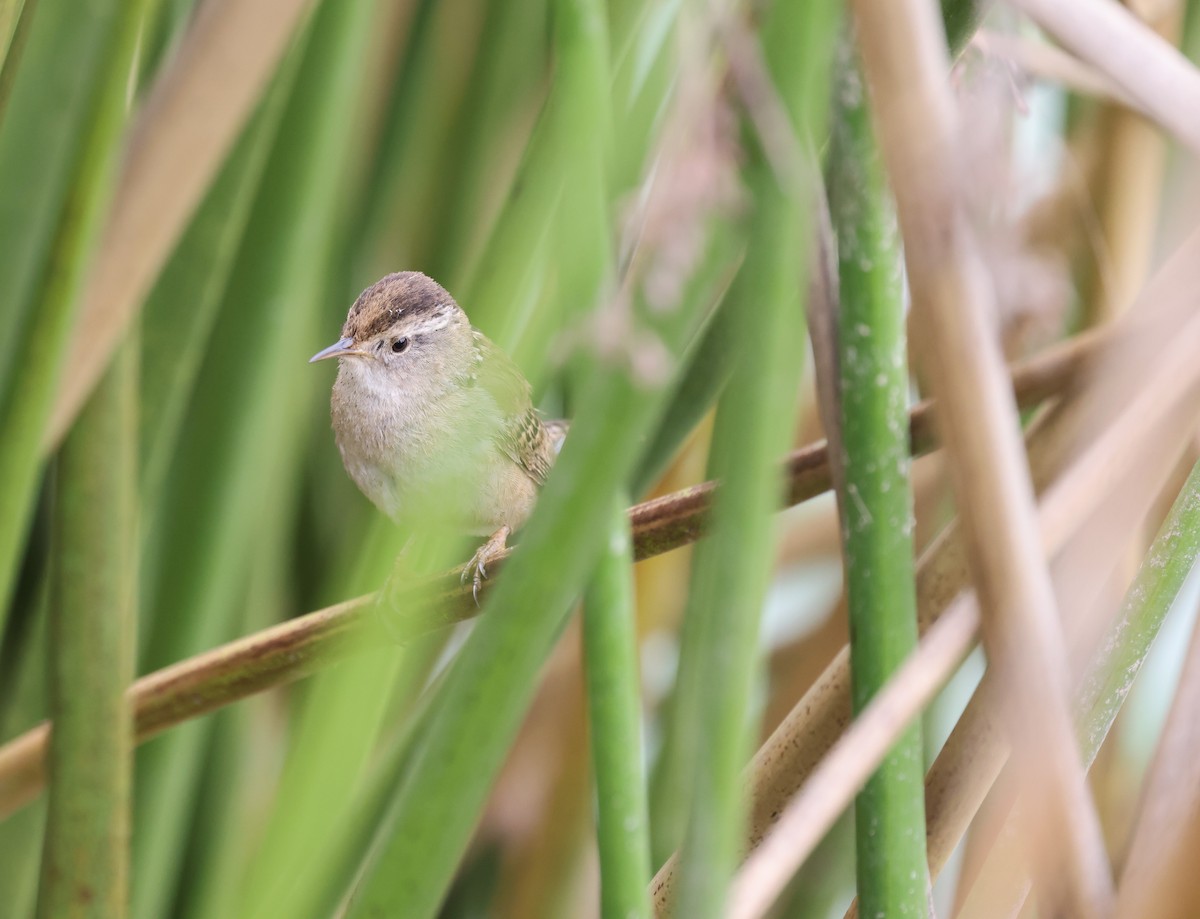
[(436, 465)]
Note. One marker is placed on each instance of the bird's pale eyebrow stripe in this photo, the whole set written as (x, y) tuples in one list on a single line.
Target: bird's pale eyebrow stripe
[(433, 323)]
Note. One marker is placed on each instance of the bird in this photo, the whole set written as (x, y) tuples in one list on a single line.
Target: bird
[(434, 422)]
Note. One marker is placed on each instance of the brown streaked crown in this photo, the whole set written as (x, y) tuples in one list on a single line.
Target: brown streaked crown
[(405, 293)]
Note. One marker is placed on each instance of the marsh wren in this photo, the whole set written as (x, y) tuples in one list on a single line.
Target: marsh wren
[(434, 422)]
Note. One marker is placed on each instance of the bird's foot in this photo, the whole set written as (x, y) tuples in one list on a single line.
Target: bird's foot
[(489, 552)]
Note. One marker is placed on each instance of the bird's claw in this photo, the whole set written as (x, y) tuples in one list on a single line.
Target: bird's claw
[(480, 574), (476, 568)]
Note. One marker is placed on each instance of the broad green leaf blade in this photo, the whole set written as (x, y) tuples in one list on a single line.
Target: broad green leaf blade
[(44, 123), (241, 445), (182, 308), (58, 146)]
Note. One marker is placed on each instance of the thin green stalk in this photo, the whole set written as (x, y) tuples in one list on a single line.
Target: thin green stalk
[(1159, 580), (85, 863), (876, 508), (615, 719), (731, 567), (1112, 673), (708, 364), (719, 657)]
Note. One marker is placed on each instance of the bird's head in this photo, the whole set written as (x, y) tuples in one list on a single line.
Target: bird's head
[(402, 330)]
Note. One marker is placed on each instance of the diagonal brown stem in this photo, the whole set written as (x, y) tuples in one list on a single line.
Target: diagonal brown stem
[(297, 648)]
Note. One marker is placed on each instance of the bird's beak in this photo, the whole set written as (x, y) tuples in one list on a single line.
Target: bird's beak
[(342, 348)]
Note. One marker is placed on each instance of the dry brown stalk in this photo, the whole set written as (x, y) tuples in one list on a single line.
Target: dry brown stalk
[(1044, 61), (849, 763), (1127, 190), (1106, 35), (905, 59), (200, 684), (971, 763), (1135, 157), (193, 114), (1000, 876), (975, 753), (294, 649), (797, 746), (1171, 384)]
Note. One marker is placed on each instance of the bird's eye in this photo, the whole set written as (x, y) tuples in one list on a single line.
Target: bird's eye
[(400, 344)]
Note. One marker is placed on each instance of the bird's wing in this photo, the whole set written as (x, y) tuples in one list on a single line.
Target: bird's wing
[(523, 436)]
